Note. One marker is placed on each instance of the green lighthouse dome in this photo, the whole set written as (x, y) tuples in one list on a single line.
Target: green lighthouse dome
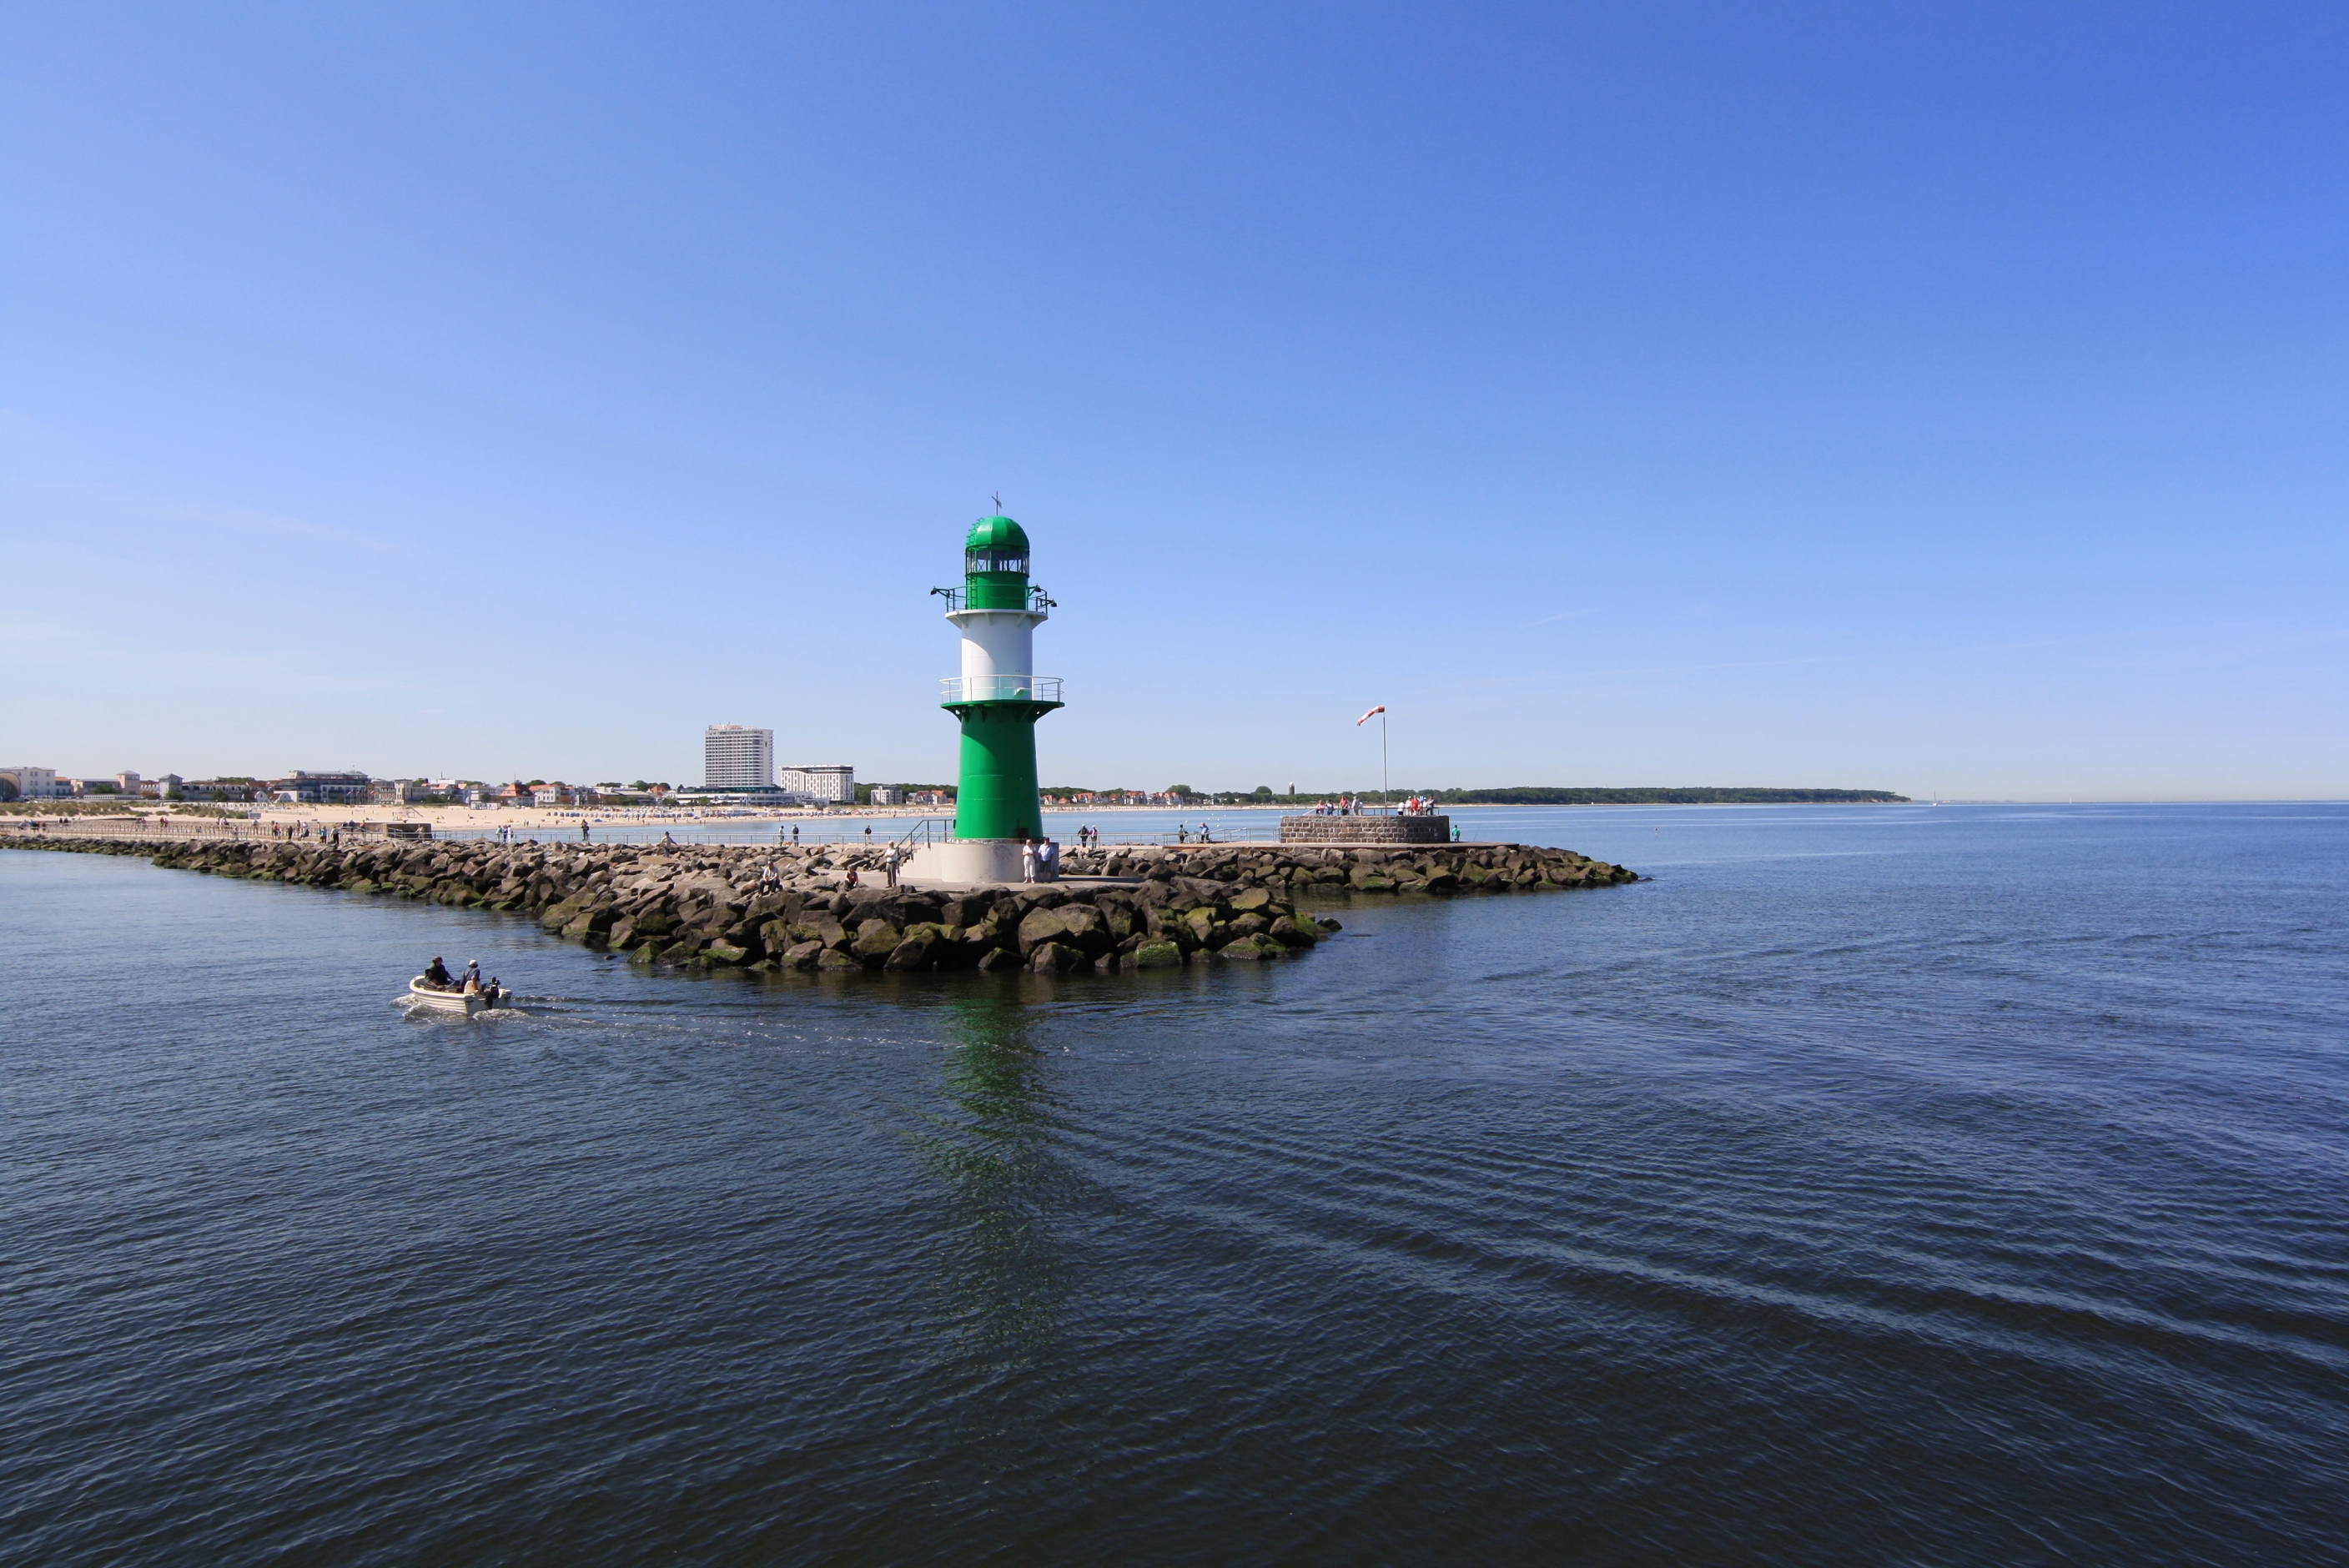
[(996, 545)]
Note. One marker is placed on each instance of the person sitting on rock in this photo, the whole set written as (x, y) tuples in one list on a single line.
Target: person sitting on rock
[(437, 975)]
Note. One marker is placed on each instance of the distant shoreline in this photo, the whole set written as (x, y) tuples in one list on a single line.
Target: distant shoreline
[(540, 818)]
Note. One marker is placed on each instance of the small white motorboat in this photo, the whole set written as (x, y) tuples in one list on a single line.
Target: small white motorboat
[(448, 999)]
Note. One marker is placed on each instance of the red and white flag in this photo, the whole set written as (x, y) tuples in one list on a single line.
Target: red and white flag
[(1370, 716)]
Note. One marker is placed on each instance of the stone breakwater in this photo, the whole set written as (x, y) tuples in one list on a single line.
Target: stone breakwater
[(769, 908)]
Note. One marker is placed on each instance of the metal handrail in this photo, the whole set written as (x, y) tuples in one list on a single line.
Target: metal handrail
[(930, 830), (1039, 601), (999, 688)]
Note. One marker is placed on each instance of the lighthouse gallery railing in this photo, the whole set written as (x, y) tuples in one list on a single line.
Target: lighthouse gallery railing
[(999, 688)]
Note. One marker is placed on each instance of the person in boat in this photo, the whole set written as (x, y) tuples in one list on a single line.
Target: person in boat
[(437, 975), (472, 986)]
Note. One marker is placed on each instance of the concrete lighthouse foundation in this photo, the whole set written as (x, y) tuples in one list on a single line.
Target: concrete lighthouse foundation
[(965, 862)]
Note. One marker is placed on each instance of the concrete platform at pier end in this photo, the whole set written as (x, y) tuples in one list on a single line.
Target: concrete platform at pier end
[(965, 862), (1311, 829)]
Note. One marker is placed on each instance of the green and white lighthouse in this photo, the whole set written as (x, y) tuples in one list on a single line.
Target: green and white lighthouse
[(998, 697)]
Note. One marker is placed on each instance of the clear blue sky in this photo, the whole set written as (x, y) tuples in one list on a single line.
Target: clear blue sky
[(1928, 398)]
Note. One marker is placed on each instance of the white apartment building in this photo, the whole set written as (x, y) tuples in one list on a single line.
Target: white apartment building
[(830, 785), (32, 783), (736, 757)]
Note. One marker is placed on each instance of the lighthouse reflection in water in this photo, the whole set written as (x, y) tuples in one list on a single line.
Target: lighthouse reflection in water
[(991, 1143)]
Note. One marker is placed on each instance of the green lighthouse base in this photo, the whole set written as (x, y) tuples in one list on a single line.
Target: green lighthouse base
[(998, 798)]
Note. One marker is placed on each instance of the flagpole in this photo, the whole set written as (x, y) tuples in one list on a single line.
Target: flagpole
[(1382, 761)]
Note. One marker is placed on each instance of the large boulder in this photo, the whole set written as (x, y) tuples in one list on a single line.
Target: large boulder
[(875, 939), (833, 958), (559, 915), (967, 911), (1077, 925), (590, 922), (1291, 932), (1054, 958), (1157, 955), (914, 952)]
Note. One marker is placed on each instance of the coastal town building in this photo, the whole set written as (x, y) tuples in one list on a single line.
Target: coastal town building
[(307, 787), (230, 789), (737, 756), (826, 784), (28, 783)]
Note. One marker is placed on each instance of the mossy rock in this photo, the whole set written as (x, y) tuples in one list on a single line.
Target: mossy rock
[(1157, 955), (724, 952), (915, 950), (1291, 932)]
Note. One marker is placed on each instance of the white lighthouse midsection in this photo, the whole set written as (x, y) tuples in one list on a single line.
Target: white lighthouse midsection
[(997, 642)]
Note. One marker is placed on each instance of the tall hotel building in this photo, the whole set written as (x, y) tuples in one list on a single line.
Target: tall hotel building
[(736, 756)]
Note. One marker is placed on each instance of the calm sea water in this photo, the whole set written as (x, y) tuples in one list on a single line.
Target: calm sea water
[(1957, 1185)]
